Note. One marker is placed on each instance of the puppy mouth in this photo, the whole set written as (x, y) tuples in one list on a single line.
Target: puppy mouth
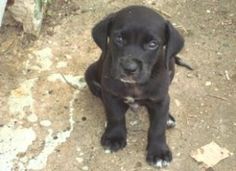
[(128, 80)]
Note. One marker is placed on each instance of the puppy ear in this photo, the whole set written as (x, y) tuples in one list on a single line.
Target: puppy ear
[(100, 32), (174, 42)]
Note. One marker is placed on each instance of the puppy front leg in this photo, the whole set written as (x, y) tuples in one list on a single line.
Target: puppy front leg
[(114, 137), (158, 153)]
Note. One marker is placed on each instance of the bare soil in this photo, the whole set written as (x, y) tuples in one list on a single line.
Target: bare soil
[(203, 101)]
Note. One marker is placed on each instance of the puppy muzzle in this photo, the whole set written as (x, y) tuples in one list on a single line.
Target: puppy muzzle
[(130, 70)]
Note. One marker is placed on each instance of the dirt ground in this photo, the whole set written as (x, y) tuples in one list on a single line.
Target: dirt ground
[(46, 124)]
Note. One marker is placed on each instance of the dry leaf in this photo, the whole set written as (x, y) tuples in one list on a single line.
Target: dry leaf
[(210, 154)]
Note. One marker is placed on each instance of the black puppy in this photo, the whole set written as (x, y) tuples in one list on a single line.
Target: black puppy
[(136, 67)]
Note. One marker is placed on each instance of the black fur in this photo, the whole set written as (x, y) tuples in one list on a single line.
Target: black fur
[(136, 67)]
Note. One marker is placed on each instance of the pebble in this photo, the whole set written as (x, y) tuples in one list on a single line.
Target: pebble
[(45, 123), (227, 75), (208, 83), (78, 149), (178, 154), (189, 76), (32, 118), (68, 56), (85, 168), (79, 159), (208, 11), (177, 102)]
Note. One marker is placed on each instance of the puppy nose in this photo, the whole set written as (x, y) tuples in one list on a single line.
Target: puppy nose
[(130, 66)]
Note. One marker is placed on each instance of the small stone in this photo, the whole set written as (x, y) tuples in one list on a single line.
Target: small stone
[(208, 11), (208, 83), (227, 75), (189, 75), (85, 168), (68, 57), (79, 159), (78, 149), (50, 91), (45, 123), (32, 118), (177, 102)]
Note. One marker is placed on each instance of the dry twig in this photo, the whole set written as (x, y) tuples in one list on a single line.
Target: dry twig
[(71, 85), (218, 97)]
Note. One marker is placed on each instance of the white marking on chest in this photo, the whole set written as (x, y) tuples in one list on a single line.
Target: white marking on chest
[(129, 100), (132, 104)]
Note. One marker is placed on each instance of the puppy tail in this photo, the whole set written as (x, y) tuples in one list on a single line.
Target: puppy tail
[(180, 62)]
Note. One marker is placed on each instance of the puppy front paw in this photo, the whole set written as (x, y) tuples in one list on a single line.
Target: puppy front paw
[(113, 141), (159, 156)]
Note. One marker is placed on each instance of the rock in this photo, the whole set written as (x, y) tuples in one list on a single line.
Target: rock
[(45, 123), (85, 168), (177, 102), (2, 9), (29, 13), (79, 159), (208, 83)]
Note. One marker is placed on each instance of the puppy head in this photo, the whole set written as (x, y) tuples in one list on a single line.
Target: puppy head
[(138, 40)]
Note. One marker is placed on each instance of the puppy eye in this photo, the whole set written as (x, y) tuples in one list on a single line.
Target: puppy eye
[(152, 45)]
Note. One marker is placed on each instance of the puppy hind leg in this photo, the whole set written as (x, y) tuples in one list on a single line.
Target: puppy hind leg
[(92, 80)]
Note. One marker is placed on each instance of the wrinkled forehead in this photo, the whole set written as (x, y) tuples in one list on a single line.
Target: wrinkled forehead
[(139, 19)]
